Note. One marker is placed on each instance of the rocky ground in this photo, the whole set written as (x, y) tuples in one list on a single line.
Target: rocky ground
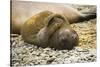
[(24, 54)]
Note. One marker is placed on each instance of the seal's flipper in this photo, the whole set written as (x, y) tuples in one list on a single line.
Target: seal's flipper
[(90, 16), (86, 17)]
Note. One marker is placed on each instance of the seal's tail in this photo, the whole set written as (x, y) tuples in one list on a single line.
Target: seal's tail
[(87, 16), (90, 16)]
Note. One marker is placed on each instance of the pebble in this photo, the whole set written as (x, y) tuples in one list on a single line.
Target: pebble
[(48, 56)]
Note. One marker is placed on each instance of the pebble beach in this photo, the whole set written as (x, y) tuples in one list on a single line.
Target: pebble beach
[(24, 54)]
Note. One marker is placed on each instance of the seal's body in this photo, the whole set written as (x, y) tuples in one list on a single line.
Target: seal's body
[(47, 29), (22, 10)]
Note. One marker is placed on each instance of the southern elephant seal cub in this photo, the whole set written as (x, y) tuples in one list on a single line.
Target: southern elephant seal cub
[(47, 29)]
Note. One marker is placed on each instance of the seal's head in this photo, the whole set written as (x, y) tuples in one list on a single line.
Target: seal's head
[(64, 39)]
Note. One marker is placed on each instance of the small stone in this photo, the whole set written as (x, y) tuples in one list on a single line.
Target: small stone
[(47, 49), (50, 61)]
